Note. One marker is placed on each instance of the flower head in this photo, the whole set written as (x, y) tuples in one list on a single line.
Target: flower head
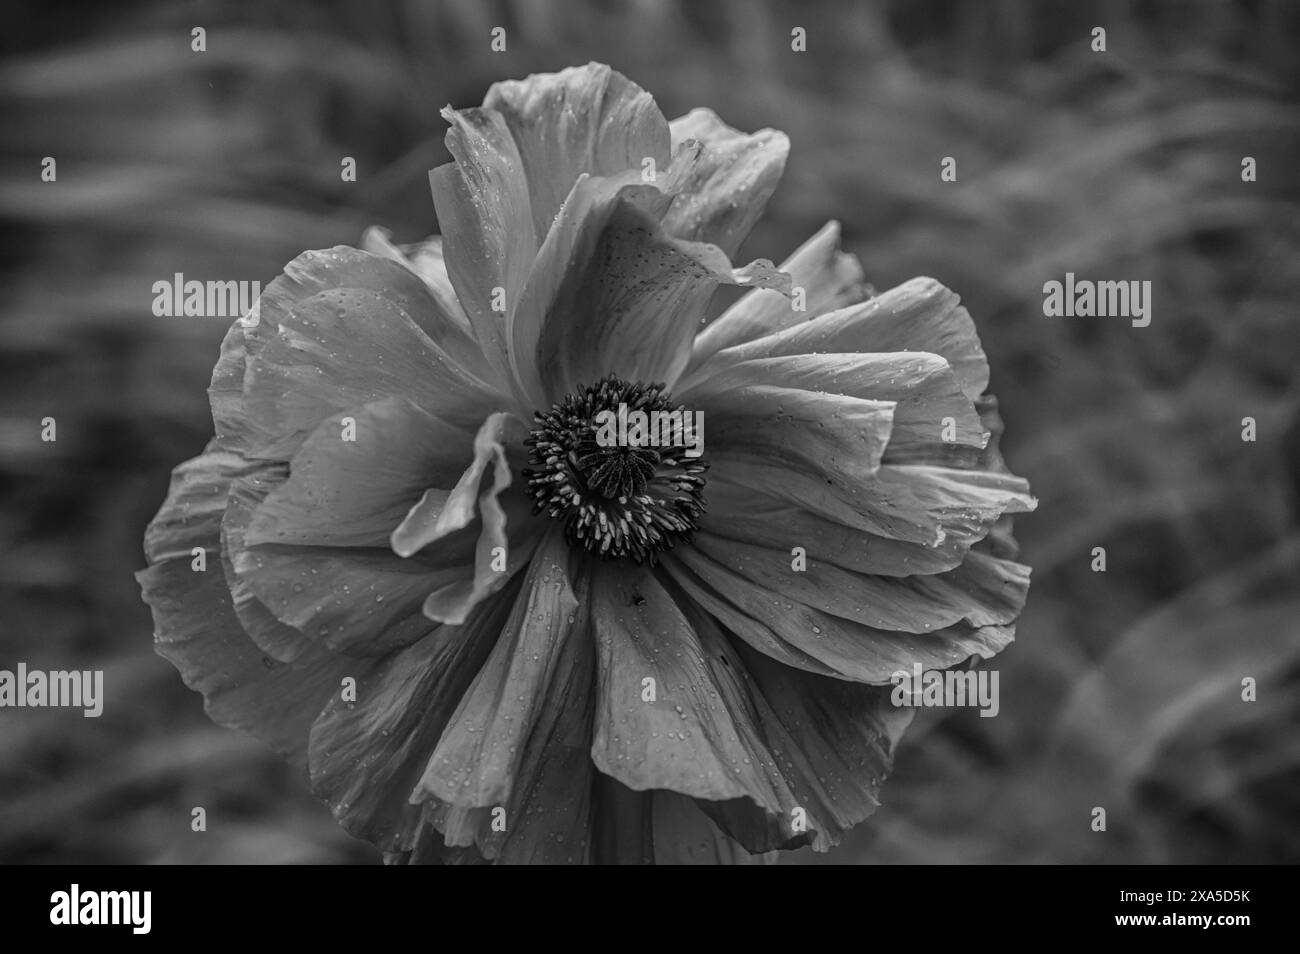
[(411, 560)]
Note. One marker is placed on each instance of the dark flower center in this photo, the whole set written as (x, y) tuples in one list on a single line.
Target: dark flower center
[(613, 462)]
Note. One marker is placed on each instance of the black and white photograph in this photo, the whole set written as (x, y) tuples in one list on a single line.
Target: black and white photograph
[(651, 432)]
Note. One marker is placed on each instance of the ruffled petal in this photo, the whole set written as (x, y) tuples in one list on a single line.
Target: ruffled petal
[(358, 474), (427, 260), (315, 550), (506, 532), (247, 491), (728, 188), (833, 741), (831, 439), (829, 278), (816, 641), (933, 420), (922, 504), (196, 499), (231, 428), (925, 499), (683, 740), (196, 629), (983, 591), (626, 828), (741, 514), (367, 756), (482, 203), (337, 331), (709, 732), (478, 760), (919, 315), (587, 119), (631, 307), (359, 601), (516, 751), (207, 492), (452, 602), (197, 632), (440, 512), (570, 243)]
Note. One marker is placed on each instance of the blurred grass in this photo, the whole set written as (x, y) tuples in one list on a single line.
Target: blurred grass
[(1123, 689)]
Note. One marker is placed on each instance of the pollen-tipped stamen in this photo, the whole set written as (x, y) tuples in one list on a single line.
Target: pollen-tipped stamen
[(615, 500)]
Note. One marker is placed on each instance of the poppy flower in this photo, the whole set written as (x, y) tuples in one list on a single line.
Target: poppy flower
[(406, 561)]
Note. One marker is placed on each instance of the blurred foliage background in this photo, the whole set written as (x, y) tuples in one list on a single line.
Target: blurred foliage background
[(1123, 689)]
